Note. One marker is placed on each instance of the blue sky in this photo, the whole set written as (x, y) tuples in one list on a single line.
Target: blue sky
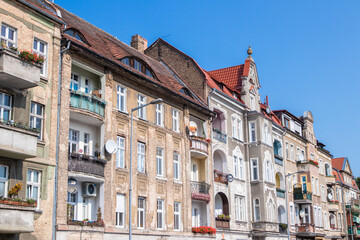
[(307, 52)]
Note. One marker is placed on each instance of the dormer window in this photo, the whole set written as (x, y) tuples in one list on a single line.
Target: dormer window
[(138, 66), (186, 92), (75, 34)]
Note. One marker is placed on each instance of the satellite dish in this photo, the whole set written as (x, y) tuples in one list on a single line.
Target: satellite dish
[(302, 214), (268, 111), (111, 146)]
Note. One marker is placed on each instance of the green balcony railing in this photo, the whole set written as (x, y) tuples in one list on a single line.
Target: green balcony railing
[(302, 195), (87, 102), (280, 193)]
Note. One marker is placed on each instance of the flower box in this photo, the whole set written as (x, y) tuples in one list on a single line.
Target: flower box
[(204, 230)]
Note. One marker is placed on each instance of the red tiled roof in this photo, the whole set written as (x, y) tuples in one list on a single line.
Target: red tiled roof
[(270, 116), (338, 163), (109, 47), (230, 76), (46, 6)]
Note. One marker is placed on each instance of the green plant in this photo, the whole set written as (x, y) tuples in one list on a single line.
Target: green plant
[(283, 226)]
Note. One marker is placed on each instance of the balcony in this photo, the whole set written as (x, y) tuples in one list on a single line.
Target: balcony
[(304, 228), (356, 231), (86, 164), (87, 102), (15, 219), (11, 134), (279, 160), (220, 177), (355, 207), (280, 193), (16, 73), (222, 223), (218, 135), (199, 144), (200, 191)]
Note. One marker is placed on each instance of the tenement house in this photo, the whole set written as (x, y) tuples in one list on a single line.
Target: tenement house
[(102, 81), (30, 42)]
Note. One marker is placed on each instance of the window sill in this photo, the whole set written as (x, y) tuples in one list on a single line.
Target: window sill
[(238, 140), (44, 79), (122, 169), (240, 222), (123, 112), (161, 179), (41, 142), (142, 174), (239, 179), (255, 181), (178, 182)]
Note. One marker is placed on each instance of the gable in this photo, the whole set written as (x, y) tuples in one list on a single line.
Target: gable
[(347, 167)]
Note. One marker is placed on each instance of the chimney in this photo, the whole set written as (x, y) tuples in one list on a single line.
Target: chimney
[(139, 43)]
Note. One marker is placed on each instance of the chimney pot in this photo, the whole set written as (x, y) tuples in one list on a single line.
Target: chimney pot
[(139, 43)]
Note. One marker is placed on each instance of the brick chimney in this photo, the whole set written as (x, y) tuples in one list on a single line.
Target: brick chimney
[(139, 43)]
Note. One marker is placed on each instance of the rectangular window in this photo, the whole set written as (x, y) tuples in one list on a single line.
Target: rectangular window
[(313, 189), (177, 215), (176, 166), (316, 216), (86, 143), (287, 150), (239, 129), (36, 118), (4, 178), (160, 114), (287, 123), (141, 157), (257, 210), (141, 213), (73, 141), (141, 111), (252, 102), (120, 153), (292, 152), (234, 127), (236, 171), (8, 36), (75, 82), (40, 48), (5, 107), (254, 169), (33, 185), (297, 215), (292, 217), (160, 162), (137, 65), (317, 186), (239, 208), (87, 86), (175, 120), (121, 98), (160, 214), (120, 210), (340, 222), (252, 132), (238, 168)]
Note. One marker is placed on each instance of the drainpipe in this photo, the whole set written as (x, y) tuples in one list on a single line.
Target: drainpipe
[(57, 140)]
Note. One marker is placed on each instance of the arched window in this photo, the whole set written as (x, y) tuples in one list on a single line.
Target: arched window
[(186, 92), (327, 169), (282, 215), (138, 65), (271, 211), (269, 171), (277, 148), (75, 34), (256, 210)]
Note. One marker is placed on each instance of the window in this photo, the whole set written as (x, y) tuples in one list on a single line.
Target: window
[(237, 127), (8, 35), (87, 86), (323, 197), (339, 221), (176, 166), (71, 200), (141, 213), (252, 102), (287, 123), (313, 189), (5, 107), (160, 114), (141, 111), (234, 127), (328, 170), (269, 171), (297, 215), (238, 167), (316, 216), (175, 120), (254, 169), (73, 141), (160, 162), (141, 157), (320, 217), (160, 214), (40, 48), (292, 215), (177, 215), (75, 82), (121, 98), (256, 210), (321, 169), (317, 186), (75, 34), (36, 118), (120, 210), (239, 208), (86, 143), (266, 134), (290, 184), (4, 178), (138, 66), (292, 152), (252, 132), (271, 211), (33, 185), (120, 153), (287, 150)]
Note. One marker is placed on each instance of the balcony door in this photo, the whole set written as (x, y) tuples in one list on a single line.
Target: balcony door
[(194, 172), (304, 183), (195, 216)]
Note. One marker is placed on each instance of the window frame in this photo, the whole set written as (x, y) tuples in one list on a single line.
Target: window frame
[(252, 160), (159, 114), (43, 70), (160, 163), (118, 211), (175, 120), (5, 180), (252, 132), (177, 163), (121, 95), (120, 152), (34, 116), (143, 211), (30, 185), (71, 141), (177, 214), (6, 38), (141, 101), (141, 155), (240, 214), (87, 144), (160, 214), (5, 107), (74, 82), (257, 212)]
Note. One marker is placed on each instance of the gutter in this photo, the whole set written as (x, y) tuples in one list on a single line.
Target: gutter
[(57, 141), (41, 11)]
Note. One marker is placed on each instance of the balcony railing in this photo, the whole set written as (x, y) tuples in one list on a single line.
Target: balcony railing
[(280, 193), (220, 177), (199, 144), (86, 164), (278, 160), (217, 134), (87, 102), (222, 223), (16, 73), (356, 231), (200, 191), (16, 218), (305, 228)]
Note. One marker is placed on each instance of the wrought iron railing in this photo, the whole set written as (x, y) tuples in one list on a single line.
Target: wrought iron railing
[(217, 134), (86, 164)]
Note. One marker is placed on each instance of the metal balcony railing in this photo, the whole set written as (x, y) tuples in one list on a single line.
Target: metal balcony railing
[(87, 102), (217, 134), (86, 164)]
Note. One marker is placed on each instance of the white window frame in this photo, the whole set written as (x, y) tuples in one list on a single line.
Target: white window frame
[(87, 144), (240, 208), (36, 49), (292, 214), (36, 116), (292, 152), (141, 100), (159, 114), (120, 210), (287, 150), (5, 107), (254, 167), (30, 185), (177, 215), (257, 209), (5, 180), (74, 142), (269, 171), (176, 165), (121, 98), (252, 131), (234, 127), (141, 153), (238, 167), (160, 216), (74, 82), (9, 42), (160, 165), (120, 152), (141, 212), (175, 120)]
